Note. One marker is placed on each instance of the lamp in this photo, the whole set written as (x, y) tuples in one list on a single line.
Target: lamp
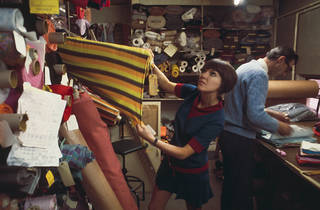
[(236, 2)]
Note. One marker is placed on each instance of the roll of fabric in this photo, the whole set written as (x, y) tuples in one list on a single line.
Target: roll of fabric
[(9, 53), (182, 69), (156, 11), (183, 63), (11, 19), (97, 136), (156, 22), (51, 28)]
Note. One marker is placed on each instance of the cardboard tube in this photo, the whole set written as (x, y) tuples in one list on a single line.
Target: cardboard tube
[(41, 27), (57, 37), (94, 182), (17, 122), (295, 89), (8, 79), (60, 69), (35, 67)]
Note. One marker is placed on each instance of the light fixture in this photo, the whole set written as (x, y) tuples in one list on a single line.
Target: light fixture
[(236, 2)]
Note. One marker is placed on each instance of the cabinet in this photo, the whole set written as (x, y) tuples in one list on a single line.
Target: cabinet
[(183, 34)]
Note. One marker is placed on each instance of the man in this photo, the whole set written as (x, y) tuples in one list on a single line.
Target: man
[(244, 116)]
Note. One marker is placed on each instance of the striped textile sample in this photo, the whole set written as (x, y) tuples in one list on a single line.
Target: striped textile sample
[(114, 72), (108, 113)]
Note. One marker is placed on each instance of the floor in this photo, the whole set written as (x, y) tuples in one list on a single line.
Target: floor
[(213, 204)]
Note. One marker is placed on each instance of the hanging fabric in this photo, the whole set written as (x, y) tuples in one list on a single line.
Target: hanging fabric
[(114, 72)]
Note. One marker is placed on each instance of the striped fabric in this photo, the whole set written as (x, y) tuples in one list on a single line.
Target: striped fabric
[(108, 113), (114, 72)]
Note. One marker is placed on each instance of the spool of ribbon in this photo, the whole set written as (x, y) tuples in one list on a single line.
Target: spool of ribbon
[(17, 122), (175, 70), (200, 65), (195, 68), (11, 19), (8, 79), (152, 35), (146, 45), (182, 69), (183, 64), (137, 42), (57, 37)]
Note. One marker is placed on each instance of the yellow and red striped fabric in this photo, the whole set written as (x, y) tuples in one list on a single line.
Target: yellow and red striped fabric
[(114, 72)]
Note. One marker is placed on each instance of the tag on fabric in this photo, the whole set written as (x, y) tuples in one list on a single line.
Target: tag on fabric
[(153, 85)]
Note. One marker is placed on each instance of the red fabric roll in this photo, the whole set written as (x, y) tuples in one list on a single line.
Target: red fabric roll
[(96, 134)]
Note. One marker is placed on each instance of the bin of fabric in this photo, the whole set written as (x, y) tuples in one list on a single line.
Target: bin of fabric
[(96, 134), (114, 72)]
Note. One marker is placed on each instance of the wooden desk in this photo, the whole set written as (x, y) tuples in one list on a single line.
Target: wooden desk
[(285, 186)]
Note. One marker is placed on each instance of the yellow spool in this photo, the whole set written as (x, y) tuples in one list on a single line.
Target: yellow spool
[(175, 70)]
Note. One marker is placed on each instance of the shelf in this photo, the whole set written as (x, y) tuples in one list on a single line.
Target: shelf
[(199, 2), (162, 99)]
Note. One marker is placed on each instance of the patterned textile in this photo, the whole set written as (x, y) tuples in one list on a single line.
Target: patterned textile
[(77, 156), (114, 72)]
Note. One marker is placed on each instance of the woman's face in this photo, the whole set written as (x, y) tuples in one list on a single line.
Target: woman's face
[(209, 80)]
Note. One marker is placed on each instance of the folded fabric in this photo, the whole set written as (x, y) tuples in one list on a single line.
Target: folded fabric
[(307, 160), (310, 148), (296, 111)]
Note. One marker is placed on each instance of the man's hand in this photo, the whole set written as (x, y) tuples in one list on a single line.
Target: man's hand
[(284, 129)]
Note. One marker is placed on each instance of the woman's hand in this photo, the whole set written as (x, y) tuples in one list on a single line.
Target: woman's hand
[(144, 132)]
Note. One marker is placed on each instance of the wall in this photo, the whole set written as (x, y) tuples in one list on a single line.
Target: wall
[(297, 26)]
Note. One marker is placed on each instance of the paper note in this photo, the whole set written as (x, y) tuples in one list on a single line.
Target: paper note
[(44, 6)]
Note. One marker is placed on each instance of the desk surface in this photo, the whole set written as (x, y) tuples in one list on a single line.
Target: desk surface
[(290, 159)]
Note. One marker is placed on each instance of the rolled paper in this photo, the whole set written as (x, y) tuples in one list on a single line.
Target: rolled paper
[(35, 67), (60, 69), (291, 91), (41, 27), (17, 122), (57, 37), (195, 68), (8, 79), (11, 19)]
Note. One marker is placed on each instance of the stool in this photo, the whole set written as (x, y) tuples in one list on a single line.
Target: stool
[(124, 147)]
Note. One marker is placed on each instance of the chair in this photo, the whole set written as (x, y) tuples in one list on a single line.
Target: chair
[(124, 147)]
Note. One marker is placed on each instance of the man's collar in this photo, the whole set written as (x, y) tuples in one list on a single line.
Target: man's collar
[(263, 64)]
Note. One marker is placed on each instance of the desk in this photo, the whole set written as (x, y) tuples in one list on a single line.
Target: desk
[(285, 186)]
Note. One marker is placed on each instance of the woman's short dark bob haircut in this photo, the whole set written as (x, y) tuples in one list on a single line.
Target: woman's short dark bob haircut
[(226, 71)]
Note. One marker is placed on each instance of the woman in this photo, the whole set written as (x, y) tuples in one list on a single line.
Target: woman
[(199, 120)]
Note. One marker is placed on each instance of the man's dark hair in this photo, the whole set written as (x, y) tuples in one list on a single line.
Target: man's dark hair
[(288, 52)]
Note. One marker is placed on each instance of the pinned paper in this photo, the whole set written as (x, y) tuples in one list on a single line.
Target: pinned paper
[(44, 6)]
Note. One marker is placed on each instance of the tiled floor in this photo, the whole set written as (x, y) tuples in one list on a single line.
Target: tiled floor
[(213, 204)]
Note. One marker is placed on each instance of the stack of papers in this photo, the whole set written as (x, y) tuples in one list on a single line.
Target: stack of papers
[(38, 145)]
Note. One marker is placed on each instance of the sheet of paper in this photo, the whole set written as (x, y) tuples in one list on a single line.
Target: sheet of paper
[(45, 112), (38, 145)]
